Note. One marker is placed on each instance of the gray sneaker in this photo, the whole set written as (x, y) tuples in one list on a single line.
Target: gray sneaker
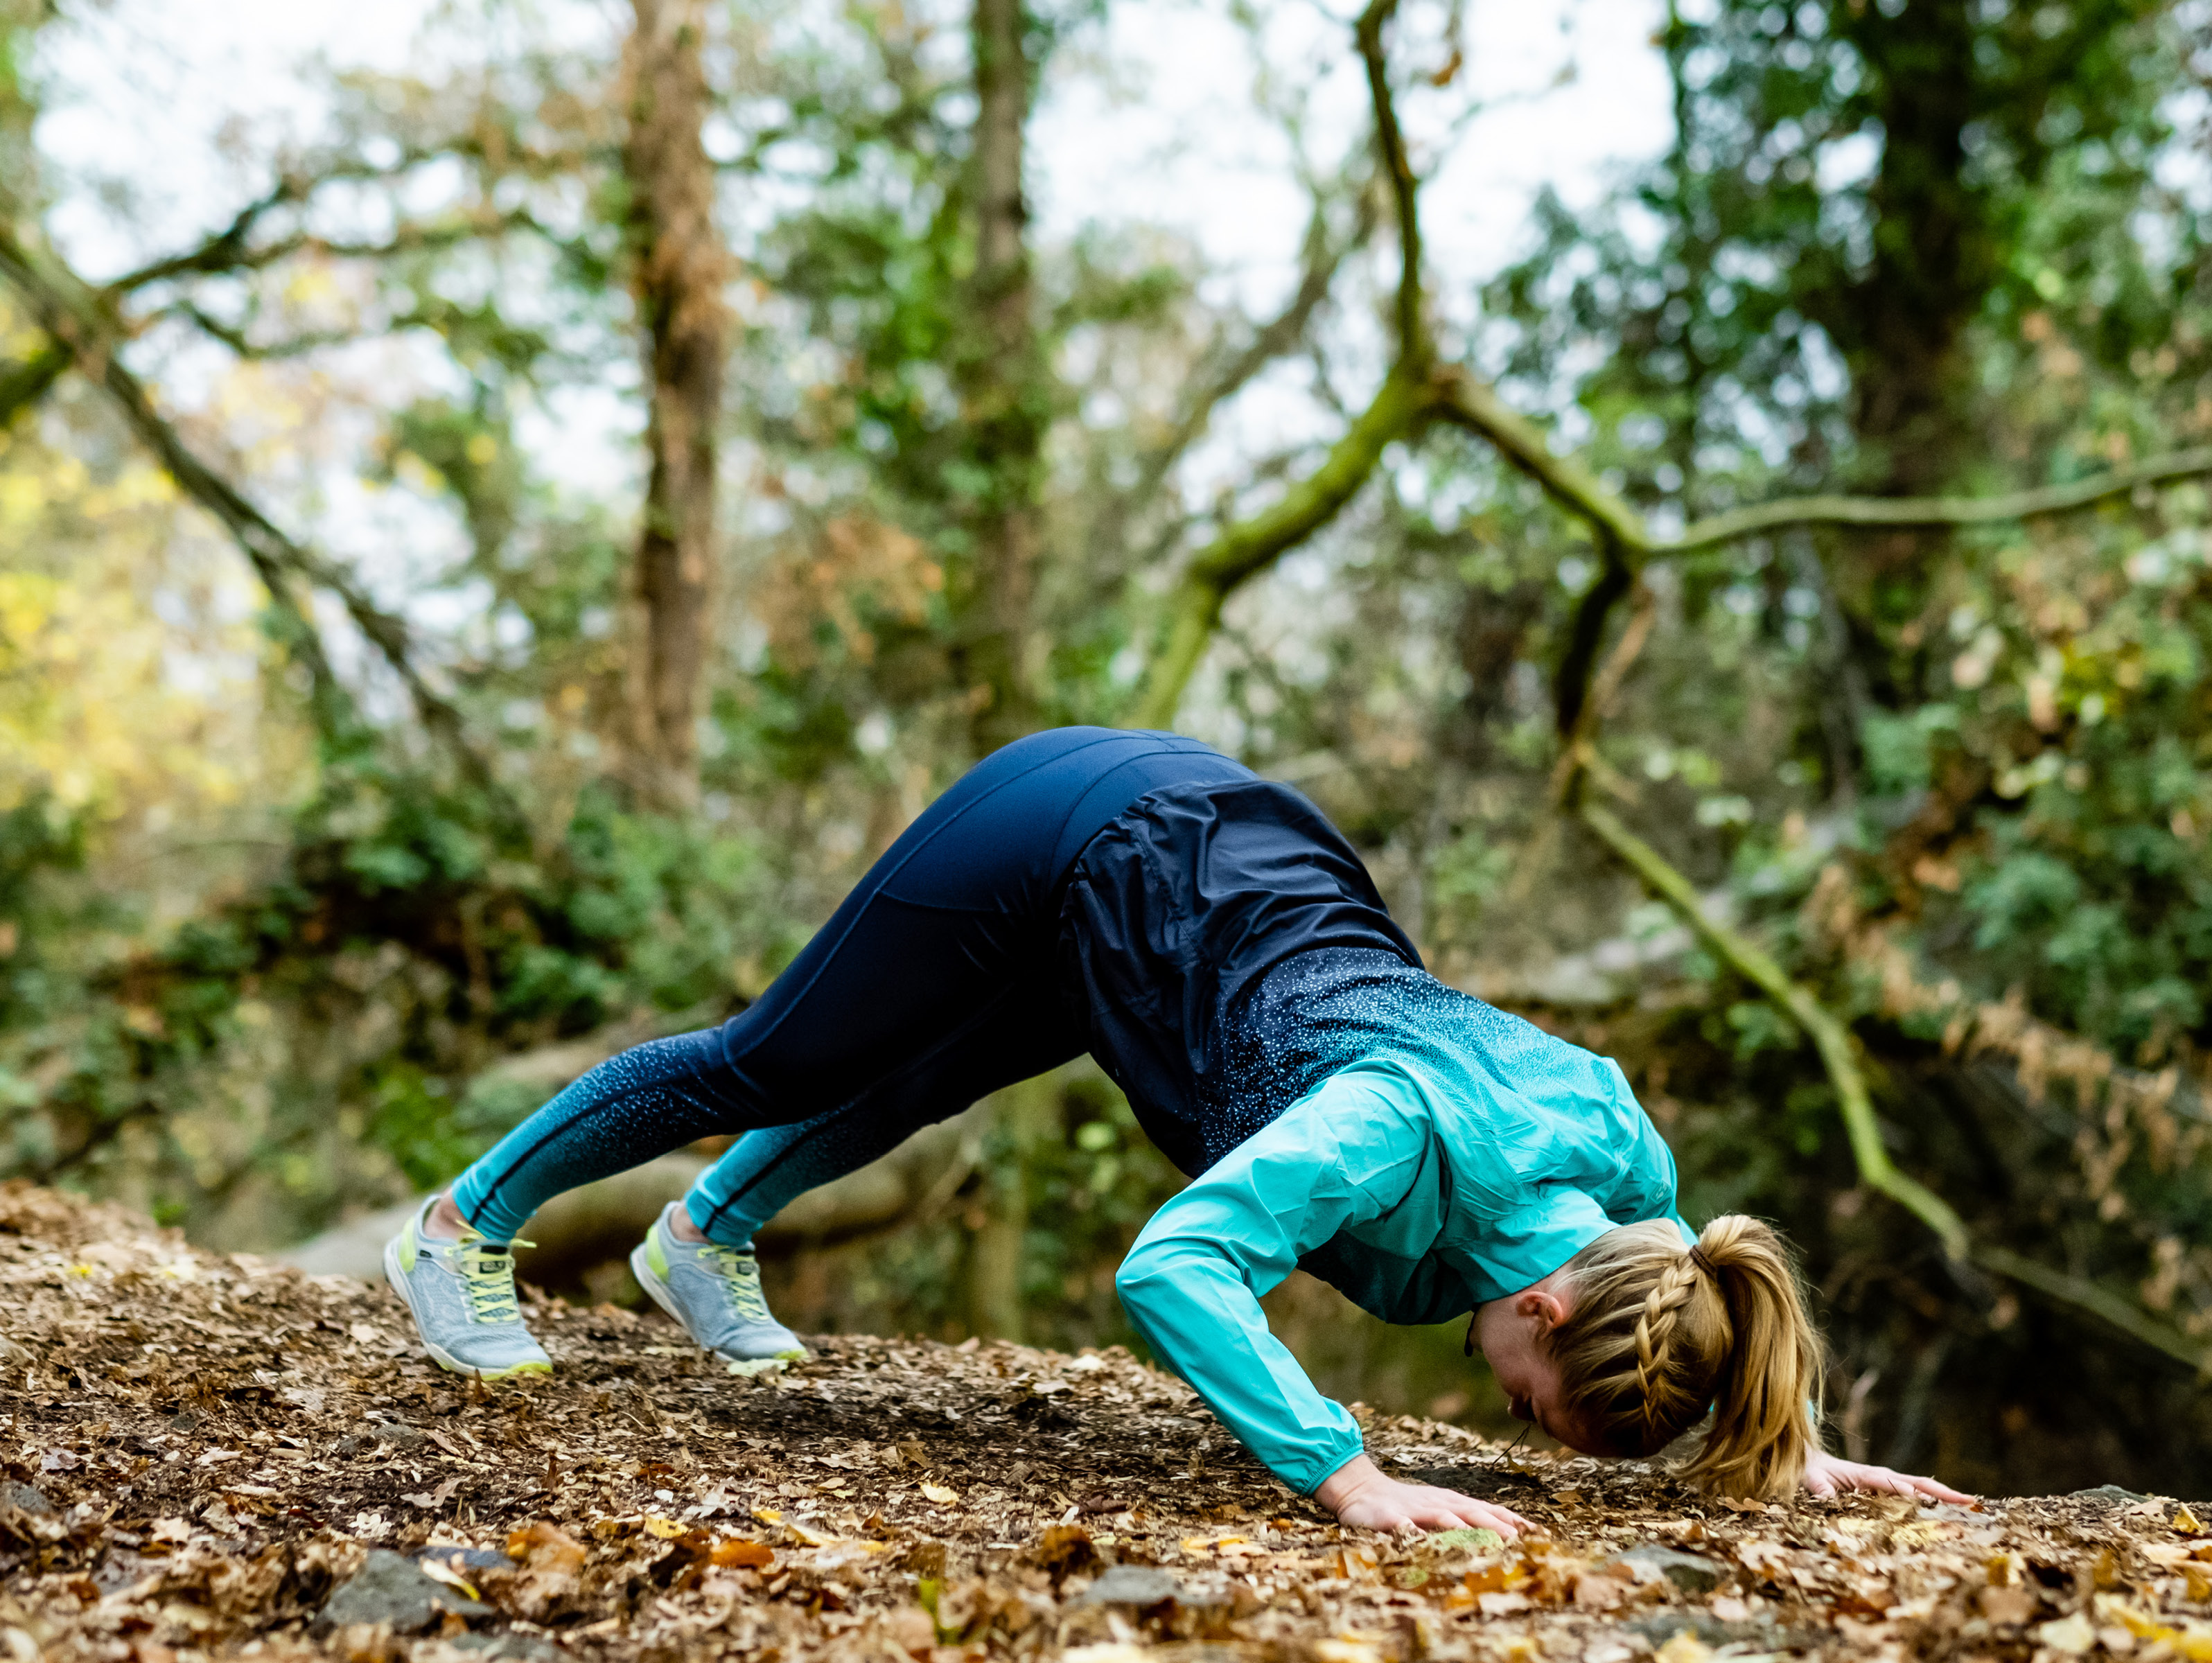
[(462, 1296), (715, 1293)]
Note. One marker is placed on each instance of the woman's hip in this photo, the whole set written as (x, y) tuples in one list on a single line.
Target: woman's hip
[(958, 916), (1003, 837)]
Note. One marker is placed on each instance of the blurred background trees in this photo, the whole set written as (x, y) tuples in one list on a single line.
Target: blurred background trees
[(379, 754)]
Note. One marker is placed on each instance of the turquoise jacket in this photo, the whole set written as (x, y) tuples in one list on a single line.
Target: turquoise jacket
[(1417, 1197)]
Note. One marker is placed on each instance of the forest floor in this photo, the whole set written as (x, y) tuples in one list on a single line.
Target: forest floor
[(216, 1456)]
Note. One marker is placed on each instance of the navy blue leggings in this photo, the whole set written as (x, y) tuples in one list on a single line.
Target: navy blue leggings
[(933, 985)]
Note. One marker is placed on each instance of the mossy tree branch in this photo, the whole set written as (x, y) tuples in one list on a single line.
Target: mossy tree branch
[(1469, 403), (1415, 392), (1829, 1036), (1245, 550), (1926, 511), (2099, 1302), (1839, 1057), (1627, 545), (1413, 349), (24, 382)]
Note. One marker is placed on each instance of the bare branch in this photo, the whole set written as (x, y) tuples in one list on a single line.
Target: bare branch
[(221, 252), (236, 339), (232, 248), (1405, 189), (1571, 680), (410, 239), (1321, 257), (1400, 406), (75, 319)]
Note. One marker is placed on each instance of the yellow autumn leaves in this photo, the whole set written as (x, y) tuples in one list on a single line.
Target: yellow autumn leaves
[(130, 658)]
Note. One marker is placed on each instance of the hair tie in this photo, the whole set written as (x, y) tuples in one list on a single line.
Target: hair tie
[(1697, 1258)]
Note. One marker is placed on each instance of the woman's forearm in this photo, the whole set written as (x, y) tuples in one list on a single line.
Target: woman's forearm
[(1201, 1319), (1192, 1282)]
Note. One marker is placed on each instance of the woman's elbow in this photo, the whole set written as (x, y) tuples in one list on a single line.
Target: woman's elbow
[(1139, 1281), (1157, 1276)]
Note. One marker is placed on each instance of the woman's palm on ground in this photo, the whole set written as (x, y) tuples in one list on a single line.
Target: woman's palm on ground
[(1826, 1475), (1389, 1505)]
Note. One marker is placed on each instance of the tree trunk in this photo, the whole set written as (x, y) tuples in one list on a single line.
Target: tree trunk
[(1006, 392), (678, 264), (1902, 327), (1007, 404), (1933, 252), (1023, 1116)]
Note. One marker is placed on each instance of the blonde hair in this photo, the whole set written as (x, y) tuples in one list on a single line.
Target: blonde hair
[(1657, 1333)]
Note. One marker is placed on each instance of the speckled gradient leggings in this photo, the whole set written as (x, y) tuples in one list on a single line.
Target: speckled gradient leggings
[(932, 986)]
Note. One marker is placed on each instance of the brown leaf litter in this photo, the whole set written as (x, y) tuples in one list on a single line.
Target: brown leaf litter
[(216, 1456)]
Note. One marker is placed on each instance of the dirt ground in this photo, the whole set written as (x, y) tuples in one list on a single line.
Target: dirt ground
[(216, 1456)]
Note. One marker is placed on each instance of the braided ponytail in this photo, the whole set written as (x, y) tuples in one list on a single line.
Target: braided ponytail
[(1657, 1333)]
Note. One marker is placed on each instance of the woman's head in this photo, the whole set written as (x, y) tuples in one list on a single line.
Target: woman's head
[(1652, 1334)]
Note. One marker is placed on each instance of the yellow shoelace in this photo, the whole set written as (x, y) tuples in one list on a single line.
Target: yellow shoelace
[(487, 1276), (742, 1272)]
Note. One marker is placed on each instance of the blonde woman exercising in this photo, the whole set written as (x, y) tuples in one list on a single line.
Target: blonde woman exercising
[(1218, 946)]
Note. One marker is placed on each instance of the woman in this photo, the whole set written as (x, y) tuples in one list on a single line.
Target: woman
[(1220, 949)]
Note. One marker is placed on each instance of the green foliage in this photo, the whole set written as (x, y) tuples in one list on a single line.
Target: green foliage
[(396, 890)]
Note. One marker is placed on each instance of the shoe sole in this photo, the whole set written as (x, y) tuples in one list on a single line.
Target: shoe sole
[(642, 1268), (445, 1359)]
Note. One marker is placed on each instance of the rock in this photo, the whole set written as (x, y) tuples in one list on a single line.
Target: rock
[(2107, 1495), (395, 1593), (468, 1558), (26, 1497), (1135, 1585), (528, 1647), (1711, 1631), (1690, 1572)]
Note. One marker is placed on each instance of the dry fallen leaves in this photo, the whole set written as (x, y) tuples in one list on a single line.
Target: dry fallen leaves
[(207, 1447)]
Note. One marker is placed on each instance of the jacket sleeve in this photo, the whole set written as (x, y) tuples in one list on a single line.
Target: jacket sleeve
[(1192, 1284)]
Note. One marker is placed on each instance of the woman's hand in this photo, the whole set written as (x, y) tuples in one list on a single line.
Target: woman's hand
[(1361, 1496), (1824, 1475)]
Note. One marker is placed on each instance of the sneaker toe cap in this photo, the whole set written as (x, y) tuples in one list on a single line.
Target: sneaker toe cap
[(504, 1355), (758, 1344)]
